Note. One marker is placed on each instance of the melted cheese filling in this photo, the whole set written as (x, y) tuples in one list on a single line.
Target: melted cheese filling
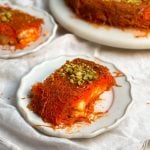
[(28, 36), (80, 109)]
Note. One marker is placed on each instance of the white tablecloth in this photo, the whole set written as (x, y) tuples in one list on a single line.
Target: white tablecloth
[(129, 135)]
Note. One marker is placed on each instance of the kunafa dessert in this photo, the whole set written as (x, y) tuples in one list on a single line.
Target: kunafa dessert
[(17, 28), (117, 13), (68, 95)]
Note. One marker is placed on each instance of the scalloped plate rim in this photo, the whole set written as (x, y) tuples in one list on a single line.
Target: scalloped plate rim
[(40, 45), (93, 134)]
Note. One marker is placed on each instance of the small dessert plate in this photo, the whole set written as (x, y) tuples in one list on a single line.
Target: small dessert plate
[(48, 32), (116, 101)]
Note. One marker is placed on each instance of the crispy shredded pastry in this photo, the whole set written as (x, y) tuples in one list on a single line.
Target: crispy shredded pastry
[(68, 95)]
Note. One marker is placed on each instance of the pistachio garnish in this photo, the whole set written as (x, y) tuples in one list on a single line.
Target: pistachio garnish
[(5, 16), (78, 73)]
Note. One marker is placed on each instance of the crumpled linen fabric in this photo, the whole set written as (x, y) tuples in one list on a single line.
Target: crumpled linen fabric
[(129, 135)]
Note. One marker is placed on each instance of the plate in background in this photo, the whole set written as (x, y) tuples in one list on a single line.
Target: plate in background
[(109, 36), (48, 31)]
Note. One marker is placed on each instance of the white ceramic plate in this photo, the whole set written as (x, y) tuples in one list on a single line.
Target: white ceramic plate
[(118, 100), (49, 27), (102, 35)]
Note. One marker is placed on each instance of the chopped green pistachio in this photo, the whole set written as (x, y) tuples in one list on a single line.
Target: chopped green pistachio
[(8, 14), (5, 16), (78, 73), (90, 77)]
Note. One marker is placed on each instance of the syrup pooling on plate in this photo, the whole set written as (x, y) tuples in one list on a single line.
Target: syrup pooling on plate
[(68, 95), (17, 28)]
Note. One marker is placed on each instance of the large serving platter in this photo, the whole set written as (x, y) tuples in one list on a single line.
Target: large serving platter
[(110, 36)]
